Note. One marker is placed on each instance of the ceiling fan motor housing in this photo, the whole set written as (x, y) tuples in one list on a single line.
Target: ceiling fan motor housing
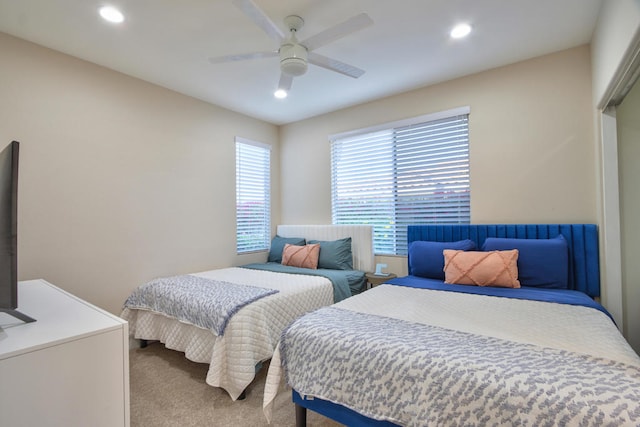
[(293, 59)]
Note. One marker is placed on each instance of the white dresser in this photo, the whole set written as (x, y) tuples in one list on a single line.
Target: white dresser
[(68, 368)]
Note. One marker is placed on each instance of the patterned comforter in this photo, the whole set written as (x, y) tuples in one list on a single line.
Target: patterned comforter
[(202, 302), (435, 358)]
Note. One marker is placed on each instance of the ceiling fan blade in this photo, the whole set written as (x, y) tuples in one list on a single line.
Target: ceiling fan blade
[(349, 26), (242, 57), (334, 65), (260, 19), (285, 82)]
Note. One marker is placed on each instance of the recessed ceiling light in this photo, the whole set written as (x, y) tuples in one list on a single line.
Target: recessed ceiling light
[(460, 31), (111, 14), (280, 93)]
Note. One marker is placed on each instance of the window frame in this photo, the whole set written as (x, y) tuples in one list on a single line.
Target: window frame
[(388, 192), (254, 186)]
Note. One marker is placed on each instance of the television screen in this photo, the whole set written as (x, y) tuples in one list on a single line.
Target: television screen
[(9, 231)]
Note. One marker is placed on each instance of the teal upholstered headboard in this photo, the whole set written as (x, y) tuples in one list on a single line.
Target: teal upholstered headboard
[(582, 239)]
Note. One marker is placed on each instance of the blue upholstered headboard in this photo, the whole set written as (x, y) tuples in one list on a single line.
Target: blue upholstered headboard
[(584, 263)]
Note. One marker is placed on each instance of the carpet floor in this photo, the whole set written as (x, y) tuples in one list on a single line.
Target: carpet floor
[(169, 390)]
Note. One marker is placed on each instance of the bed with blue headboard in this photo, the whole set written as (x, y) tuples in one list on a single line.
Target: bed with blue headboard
[(495, 324)]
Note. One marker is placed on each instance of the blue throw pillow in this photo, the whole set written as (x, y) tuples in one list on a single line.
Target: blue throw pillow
[(543, 263), (426, 258), (335, 254), (277, 246)]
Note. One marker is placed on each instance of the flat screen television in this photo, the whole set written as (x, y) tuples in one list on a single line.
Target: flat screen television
[(9, 232)]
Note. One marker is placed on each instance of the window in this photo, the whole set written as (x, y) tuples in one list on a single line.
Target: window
[(253, 190), (411, 172)]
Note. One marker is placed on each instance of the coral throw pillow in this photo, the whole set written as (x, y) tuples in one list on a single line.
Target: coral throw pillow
[(493, 268), (301, 256)]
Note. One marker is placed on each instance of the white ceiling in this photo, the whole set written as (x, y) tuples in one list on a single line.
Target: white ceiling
[(168, 42)]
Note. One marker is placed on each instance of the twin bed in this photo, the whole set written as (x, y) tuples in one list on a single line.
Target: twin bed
[(532, 348), (265, 299)]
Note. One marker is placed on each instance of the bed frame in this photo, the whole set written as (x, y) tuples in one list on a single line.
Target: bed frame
[(584, 275)]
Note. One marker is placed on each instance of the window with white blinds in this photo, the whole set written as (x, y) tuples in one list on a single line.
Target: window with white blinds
[(253, 196), (411, 172)]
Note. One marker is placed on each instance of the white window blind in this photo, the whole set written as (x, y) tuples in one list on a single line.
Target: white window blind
[(410, 172), (253, 200)]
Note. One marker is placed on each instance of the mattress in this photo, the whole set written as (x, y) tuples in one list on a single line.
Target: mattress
[(252, 333), (576, 329)]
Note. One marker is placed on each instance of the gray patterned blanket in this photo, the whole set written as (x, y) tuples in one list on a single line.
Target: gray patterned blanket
[(202, 302), (420, 375)]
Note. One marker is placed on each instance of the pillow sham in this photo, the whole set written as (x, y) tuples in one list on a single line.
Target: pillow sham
[(301, 256), (426, 260), (335, 254), (277, 246), (495, 268), (542, 263)]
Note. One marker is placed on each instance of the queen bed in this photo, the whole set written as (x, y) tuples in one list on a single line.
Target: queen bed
[(489, 348), (185, 312)]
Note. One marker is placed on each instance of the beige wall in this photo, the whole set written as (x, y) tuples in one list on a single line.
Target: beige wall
[(531, 143), (120, 181), (629, 173)]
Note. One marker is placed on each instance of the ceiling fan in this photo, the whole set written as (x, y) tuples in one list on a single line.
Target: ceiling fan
[(296, 55)]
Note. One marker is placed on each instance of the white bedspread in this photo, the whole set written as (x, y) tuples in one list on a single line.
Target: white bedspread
[(573, 328), (252, 333)]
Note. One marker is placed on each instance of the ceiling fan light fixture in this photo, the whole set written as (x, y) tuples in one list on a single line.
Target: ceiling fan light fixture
[(293, 66), (293, 59)]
